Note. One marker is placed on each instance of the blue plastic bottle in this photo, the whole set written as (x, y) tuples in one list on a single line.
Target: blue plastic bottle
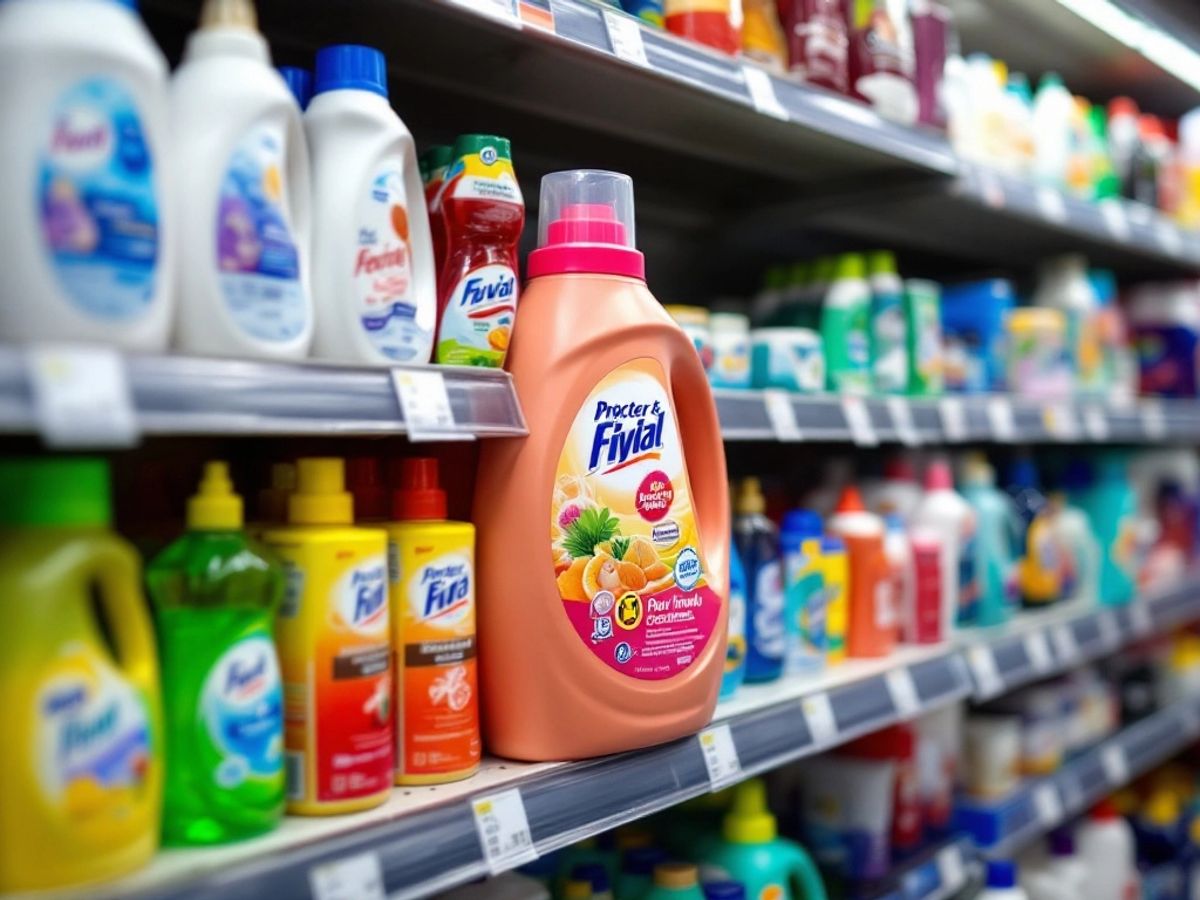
[(996, 530), (803, 585), (1111, 505), (974, 332), (758, 544), (735, 647)]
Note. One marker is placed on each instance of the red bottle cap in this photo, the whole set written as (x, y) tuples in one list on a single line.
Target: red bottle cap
[(1151, 127), (419, 495), (1122, 106), (899, 468), (851, 500), (364, 480), (1105, 810)]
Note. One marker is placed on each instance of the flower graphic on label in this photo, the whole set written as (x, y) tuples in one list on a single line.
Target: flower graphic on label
[(451, 689)]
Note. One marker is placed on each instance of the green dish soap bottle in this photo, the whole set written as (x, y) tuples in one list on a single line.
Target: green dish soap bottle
[(771, 867), (215, 594)]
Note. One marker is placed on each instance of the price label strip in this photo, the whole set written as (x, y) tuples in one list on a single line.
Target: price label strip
[(1110, 630), (1116, 220), (1052, 204), (782, 414), (720, 756), (81, 397), (1116, 766), (858, 420), (818, 713), (358, 877), (1037, 649), (1154, 419), (990, 188), (901, 415), (950, 868), (903, 691), (1047, 804), (500, 10), (503, 830), (1065, 646), (1168, 237), (1000, 417), (954, 419), (1141, 621), (982, 661), (1095, 422), (1060, 422), (625, 38), (425, 405), (762, 93)]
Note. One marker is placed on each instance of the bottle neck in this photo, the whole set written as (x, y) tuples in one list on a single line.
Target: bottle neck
[(239, 43), (586, 259)]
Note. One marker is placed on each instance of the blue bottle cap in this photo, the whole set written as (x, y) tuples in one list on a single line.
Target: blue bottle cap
[(594, 874), (351, 67), (724, 890), (1001, 873), (804, 522), (642, 860), (831, 543), (1022, 473), (299, 82)]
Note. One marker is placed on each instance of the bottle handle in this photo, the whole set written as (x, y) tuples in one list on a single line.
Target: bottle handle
[(116, 571), (806, 876)]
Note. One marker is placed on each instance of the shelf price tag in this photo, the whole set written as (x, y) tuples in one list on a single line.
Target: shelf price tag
[(358, 877), (1140, 619), (1047, 804), (954, 419), (1116, 766), (1060, 422), (903, 691), (720, 756), (1052, 204), (1095, 422), (1168, 237), (782, 414), (625, 38), (1154, 419), (503, 830), (982, 661), (81, 396), (950, 869), (1065, 646), (1110, 631), (1000, 417), (1115, 219), (500, 10), (818, 713), (762, 93), (902, 421), (1037, 650), (858, 420), (425, 405)]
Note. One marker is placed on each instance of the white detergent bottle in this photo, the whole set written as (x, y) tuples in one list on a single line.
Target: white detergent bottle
[(373, 275), (242, 179), (943, 511), (85, 239)]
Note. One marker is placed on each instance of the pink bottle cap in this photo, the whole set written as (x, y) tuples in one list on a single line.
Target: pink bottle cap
[(938, 476), (585, 225)]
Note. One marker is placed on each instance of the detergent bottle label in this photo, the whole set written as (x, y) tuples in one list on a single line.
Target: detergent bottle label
[(478, 319), (91, 741), (437, 705), (241, 704), (384, 286), (623, 533), (97, 202), (889, 350), (335, 654), (256, 254)]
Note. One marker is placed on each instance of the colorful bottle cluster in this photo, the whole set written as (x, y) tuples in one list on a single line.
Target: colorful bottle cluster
[(234, 210)]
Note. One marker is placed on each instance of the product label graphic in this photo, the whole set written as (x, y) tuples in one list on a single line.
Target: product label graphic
[(478, 319), (242, 706), (623, 532), (384, 298), (97, 202), (256, 255)]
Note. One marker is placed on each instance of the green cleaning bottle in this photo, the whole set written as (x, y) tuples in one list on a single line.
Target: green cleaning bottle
[(214, 594), (769, 866), (845, 327)]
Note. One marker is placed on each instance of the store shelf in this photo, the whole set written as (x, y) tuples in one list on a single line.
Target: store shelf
[(935, 874), (180, 395), (1003, 827), (769, 416)]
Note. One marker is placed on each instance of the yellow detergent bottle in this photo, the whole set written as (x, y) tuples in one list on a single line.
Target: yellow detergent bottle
[(432, 573), (334, 648), (81, 760)]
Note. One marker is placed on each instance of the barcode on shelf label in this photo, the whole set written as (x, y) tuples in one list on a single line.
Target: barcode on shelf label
[(720, 756), (1110, 630), (1154, 419), (1065, 647), (901, 415), (954, 419), (1168, 237), (625, 38), (503, 830), (358, 877), (425, 405), (1095, 422), (1060, 422), (1115, 218), (762, 93), (1037, 649), (1047, 804), (1052, 204), (782, 414), (818, 713), (81, 396), (951, 873), (903, 691), (1000, 417), (1116, 766), (1140, 619), (982, 661), (500, 10), (858, 420)]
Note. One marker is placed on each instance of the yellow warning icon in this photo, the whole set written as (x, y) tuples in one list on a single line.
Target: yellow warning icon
[(629, 611)]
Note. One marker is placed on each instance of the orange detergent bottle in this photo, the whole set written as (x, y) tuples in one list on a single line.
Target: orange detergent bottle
[(603, 536)]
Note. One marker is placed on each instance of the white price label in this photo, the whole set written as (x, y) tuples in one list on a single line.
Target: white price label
[(954, 419), (1060, 422), (1140, 618), (1168, 237), (1000, 417), (1065, 647), (1052, 204), (762, 93), (1115, 219), (1037, 649), (818, 713), (1095, 422), (902, 421), (990, 188), (858, 420), (1110, 630), (1116, 766), (982, 661), (500, 10), (950, 869), (503, 830), (1047, 804), (81, 396), (782, 414), (1154, 419), (625, 38), (720, 756), (425, 405), (903, 691), (357, 877)]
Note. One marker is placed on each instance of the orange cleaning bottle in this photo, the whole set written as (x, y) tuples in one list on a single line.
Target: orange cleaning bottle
[(604, 534), (873, 620)]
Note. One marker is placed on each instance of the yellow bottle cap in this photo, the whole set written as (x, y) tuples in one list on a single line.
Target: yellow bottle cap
[(749, 821), (675, 876), (1161, 809), (214, 506), (320, 497), (750, 499), (229, 14)]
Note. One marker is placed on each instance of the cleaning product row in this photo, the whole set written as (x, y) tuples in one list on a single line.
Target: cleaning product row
[(213, 213)]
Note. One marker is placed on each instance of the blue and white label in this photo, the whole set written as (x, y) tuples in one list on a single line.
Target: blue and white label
[(385, 295), (687, 568), (769, 635), (97, 202), (256, 254), (242, 705)]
